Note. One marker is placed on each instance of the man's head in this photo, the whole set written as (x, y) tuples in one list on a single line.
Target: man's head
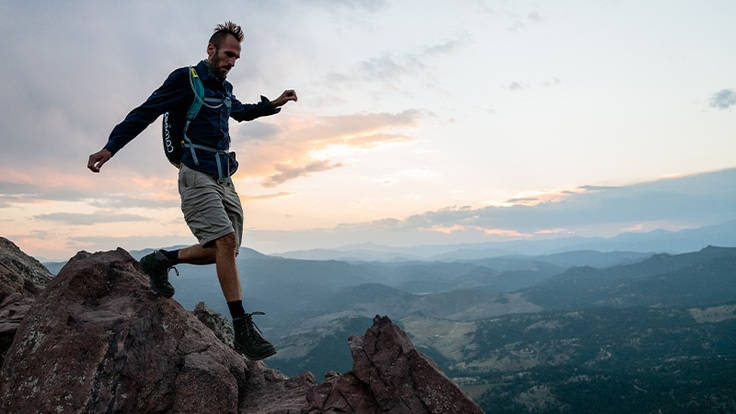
[(224, 47)]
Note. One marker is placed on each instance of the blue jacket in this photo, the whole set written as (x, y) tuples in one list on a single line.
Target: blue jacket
[(209, 128)]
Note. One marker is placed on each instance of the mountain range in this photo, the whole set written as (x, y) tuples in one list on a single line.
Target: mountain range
[(657, 241)]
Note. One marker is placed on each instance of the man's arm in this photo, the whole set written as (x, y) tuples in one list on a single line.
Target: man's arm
[(248, 112), (171, 94)]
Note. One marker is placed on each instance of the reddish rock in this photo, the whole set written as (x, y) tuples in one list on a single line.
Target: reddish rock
[(20, 273), (22, 278), (389, 376), (99, 340), (267, 390)]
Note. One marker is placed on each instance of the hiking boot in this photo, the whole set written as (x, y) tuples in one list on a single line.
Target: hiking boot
[(157, 266), (249, 340)]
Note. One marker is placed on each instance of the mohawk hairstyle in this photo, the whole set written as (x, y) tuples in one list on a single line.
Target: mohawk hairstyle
[(221, 32)]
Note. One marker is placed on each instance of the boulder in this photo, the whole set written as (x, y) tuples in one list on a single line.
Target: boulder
[(99, 340), (389, 376), (22, 278), (20, 273)]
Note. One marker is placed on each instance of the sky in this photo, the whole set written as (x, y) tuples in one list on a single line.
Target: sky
[(418, 122)]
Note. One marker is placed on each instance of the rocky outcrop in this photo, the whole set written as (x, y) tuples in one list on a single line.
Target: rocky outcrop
[(389, 376), (22, 278), (99, 340), (20, 273)]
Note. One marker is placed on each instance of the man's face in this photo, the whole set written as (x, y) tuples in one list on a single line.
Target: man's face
[(223, 59)]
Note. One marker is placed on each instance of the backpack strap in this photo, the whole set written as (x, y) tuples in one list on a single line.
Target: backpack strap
[(198, 88)]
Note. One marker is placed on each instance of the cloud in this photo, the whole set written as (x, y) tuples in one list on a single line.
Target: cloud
[(554, 82), (393, 71), (594, 188), (723, 99), (262, 131), (447, 48), (352, 6), (286, 173), (515, 86), (520, 200), (388, 67), (82, 219), (704, 198), (304, 146), (535, 17), (264, 197), (109, 189), (673, 203), (119, 201)]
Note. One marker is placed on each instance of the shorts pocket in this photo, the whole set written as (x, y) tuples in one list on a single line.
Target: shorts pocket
[(188, 178)]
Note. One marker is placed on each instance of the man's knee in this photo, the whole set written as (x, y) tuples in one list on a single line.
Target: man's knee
[(227, 242)]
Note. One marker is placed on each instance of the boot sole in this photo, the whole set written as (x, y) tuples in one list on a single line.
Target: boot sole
[(163, 293), (254, 357)]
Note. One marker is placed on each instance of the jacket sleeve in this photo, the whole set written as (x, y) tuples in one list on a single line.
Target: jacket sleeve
[(172, 94), (248, 112)]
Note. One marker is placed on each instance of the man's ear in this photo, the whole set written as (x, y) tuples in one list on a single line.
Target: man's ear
[(211, 50)]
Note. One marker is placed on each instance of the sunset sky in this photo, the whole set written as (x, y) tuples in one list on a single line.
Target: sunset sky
[(418, 122)]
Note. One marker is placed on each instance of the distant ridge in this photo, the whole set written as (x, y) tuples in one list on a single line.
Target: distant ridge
[(656, 241), (685, 280)]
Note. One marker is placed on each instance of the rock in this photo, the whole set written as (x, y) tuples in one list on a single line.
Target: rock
[(389, 376), (220, 325), (268, 390), (22, 278), (99, 340), (12, 312), (20, 273)]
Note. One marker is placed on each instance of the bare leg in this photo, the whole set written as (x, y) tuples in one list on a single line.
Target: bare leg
[(223, 255), (227, 269), (197, 255)]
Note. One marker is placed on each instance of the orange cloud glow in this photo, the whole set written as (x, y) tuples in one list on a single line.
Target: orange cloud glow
[(490, 232), (301, 145)]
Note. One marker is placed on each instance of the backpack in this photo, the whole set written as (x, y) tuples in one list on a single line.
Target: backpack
[(175, 127)]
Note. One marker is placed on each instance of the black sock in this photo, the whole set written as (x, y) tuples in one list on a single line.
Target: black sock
[(236, 309), (173, 256)]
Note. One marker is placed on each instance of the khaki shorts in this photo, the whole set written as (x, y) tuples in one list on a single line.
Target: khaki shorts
[(211, 210)]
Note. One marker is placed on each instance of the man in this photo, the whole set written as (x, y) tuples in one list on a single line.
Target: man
[(209, 201)]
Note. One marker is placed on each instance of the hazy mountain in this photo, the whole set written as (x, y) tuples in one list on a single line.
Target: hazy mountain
[(447, 325), (590, 258), (691, 279), (298, 293), (657, 241)]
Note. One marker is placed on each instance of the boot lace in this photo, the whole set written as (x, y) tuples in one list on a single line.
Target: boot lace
[(249, 320)]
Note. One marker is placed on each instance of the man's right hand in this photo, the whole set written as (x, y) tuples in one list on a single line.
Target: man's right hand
[(97, 159)]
